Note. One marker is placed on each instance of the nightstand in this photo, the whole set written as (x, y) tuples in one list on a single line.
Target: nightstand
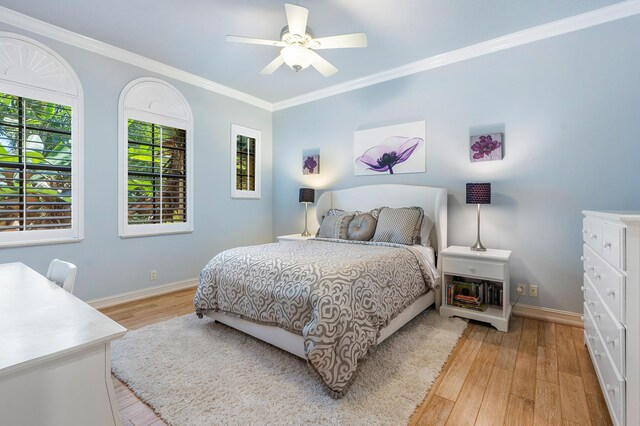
[(482, 275), (293, 237)]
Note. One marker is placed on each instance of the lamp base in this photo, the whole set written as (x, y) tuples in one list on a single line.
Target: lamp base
[(478, 246)]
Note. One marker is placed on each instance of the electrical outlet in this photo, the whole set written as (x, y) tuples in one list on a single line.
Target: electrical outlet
[(153, 275), (533, 291), (520, 288)]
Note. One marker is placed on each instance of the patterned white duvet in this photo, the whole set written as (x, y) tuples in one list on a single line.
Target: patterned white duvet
[(337, 294)]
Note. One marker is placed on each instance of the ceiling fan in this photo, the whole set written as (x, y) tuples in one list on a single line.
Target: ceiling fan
[(298, 44)]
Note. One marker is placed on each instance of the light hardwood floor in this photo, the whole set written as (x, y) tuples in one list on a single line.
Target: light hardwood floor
[(537, 373)]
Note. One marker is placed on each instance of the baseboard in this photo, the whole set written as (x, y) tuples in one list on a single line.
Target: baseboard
[(105, 302), (547, 314)]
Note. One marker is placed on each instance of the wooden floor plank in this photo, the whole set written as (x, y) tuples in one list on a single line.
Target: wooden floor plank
[(566, 350), (598, 411), (529, 337), (524, 376), (437, 412), (506, 358), (457, 373), (496, 396), (547, 410), (472, 392), (519, 411), (547, 365), (572, 399), (547, 334)]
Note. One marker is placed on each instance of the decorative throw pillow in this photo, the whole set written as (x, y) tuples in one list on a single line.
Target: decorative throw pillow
[(335, 226), (400, 226), (362, 227)]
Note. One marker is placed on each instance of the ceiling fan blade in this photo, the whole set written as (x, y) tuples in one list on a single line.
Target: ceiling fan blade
[(296, 18), (249, 40), (340, 41), (274, 65), (321, 64)]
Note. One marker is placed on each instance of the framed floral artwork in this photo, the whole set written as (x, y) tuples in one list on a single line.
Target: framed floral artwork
[(486, 147), (311, 165), (390, 150)]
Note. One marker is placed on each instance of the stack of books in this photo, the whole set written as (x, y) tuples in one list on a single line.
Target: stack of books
[(473, 295)]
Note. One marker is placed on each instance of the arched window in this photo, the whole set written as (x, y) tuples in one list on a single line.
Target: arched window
[(40, 145), (155, 160)]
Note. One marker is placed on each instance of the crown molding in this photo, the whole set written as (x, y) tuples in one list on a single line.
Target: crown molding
[(563, 26), (552, 29), (42, 28)]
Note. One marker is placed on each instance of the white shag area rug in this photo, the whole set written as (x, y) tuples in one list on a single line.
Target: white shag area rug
[(196, 372)]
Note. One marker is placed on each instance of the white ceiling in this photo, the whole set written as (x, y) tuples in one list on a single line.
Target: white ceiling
[(189, 34)]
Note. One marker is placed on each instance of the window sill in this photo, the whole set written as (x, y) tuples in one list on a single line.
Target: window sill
[(153, 233), (40, 242)]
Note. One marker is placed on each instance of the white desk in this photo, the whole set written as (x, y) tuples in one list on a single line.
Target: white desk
[(55, 354)]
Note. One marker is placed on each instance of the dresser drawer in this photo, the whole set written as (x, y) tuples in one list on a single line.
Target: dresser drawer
[(612, 332), (608, 281), (594, 236), (472, 268), (613, 245), (612, 384)]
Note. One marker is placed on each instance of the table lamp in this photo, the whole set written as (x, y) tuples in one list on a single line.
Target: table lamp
[(478, 193), (307, 196)]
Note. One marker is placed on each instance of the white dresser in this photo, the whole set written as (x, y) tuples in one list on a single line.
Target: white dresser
[(611, 260)]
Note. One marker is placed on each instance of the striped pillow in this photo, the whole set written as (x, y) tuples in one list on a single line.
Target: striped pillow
[(400, 226), (335, 226)]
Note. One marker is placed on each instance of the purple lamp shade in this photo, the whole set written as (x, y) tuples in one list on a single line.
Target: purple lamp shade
[(478, 193), (307, 195)]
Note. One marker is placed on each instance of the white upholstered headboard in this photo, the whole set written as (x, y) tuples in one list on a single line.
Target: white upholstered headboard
[(364, 198)]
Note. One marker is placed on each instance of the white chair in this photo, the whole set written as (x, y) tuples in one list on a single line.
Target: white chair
[(63, 274)]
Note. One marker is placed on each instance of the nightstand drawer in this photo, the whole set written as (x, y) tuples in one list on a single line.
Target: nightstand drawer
[(465, 267)]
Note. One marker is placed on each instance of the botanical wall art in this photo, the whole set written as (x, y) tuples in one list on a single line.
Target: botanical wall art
[(486, 147), (311, 165), (390, 150)]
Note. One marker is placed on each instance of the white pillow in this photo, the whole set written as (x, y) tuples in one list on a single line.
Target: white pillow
[(425, 230)]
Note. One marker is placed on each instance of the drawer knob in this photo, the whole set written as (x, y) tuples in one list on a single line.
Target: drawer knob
[(472, 269), (611, 388), (611, 293), (591, 303), (607, 245), (597, 354), (591, 268), (594, 236), (582, 258), (582, 288), (590, 337), (584, 232), (596, 315), (610, 341), (597, 276)]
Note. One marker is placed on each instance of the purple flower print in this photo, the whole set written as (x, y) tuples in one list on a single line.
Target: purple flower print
[(484, 146), (393, 151), (310, 164)]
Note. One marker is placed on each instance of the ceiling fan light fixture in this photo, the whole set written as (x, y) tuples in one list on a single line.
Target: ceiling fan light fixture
[(296, 57)]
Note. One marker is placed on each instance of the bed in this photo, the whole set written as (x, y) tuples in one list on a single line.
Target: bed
[(330, 302)]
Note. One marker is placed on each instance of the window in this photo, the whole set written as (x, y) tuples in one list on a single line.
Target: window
[(40, 145), (156, 174), (155, 159), (245, 162)]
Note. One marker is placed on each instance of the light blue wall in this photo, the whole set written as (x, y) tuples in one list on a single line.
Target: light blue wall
[(108, 265), (570, 110)]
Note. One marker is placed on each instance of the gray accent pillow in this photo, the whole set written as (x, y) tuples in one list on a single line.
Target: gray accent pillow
[(400, 226), (362, 227), (335, 226)]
